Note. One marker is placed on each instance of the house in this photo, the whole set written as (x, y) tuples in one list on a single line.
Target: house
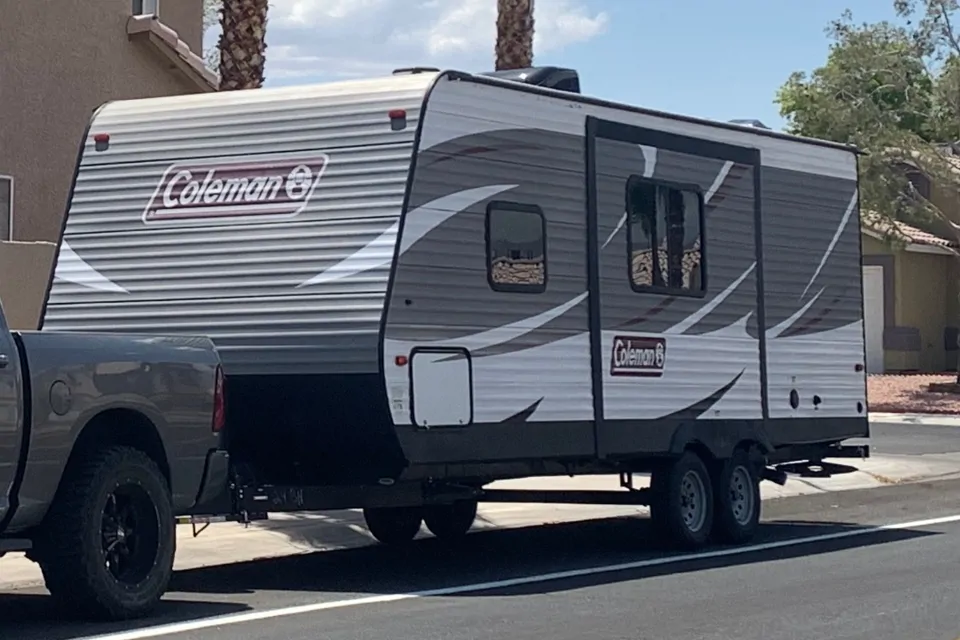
[(56, 67), (910, 287)]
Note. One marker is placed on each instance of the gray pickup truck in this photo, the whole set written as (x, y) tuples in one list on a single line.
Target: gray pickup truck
[(104, 440)]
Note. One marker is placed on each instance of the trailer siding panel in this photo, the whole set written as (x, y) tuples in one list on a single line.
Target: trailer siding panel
[(813, 295), (526, 348), (719, 377), (278, 295)]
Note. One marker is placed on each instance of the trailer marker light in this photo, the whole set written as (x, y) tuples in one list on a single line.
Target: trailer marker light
[(101, 141), (400, 361), (398, 119), (858, 367)]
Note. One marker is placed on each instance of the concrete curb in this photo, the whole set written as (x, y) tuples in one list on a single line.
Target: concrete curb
[(933, 419)]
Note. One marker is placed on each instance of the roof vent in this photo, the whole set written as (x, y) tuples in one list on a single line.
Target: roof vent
[(558, 78), (412, 70), (750, 122)]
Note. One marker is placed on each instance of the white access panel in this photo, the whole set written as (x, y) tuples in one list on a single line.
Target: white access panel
[(441, 388)]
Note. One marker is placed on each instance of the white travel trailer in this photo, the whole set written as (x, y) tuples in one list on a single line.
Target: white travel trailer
[(425, 282)]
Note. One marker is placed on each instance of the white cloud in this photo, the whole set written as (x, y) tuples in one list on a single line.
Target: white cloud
[(311, 40)]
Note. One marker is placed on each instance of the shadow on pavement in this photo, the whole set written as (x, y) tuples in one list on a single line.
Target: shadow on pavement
[(34, 616), (483, 556), (498, 555)]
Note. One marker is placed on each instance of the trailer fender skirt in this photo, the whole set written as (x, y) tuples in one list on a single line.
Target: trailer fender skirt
[(719, 437)]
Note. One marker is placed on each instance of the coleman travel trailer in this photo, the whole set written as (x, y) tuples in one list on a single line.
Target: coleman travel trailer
[(422, 283)]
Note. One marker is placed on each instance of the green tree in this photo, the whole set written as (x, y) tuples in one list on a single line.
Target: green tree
[(894, 92), (890, 90)]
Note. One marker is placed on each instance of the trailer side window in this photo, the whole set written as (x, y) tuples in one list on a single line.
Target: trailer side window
[(516, 247), (664, 227)]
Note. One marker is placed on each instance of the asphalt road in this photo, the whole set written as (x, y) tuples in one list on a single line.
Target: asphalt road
[(868, 583), (882, 585)]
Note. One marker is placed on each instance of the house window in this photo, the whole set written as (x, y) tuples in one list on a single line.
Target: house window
[(664, 237), (516, 248), (146, 7), (6, 208)]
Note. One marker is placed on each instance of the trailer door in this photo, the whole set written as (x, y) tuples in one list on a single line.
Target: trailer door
[(673, 284)]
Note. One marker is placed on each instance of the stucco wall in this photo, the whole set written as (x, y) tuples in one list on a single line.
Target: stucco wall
[(186, 18), (56, 67), (920, 291), (872, 246), (22, 296), (921, 281)]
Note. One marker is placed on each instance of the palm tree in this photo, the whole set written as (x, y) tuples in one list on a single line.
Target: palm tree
[(514, 48), (242, 44)]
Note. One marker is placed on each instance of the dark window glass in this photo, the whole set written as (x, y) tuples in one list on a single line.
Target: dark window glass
[(665, 243), (516, 248)]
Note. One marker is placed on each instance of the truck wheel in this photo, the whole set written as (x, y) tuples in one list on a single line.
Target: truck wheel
[(393, 525), (108, 541), (682, 502), (737, 500), (450, 521)]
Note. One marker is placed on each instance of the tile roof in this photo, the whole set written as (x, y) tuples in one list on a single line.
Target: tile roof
[(905, 232)]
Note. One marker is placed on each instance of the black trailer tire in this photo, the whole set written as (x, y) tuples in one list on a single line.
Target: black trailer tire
[(682, 504), (737, 497), (450, 521), (393, 525), (114, 503)]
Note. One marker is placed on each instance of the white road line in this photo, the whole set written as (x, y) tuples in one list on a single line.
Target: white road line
[(256, 616)]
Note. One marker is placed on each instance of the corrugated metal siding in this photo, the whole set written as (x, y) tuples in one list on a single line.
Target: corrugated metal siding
[(237, 280), (813, 295)]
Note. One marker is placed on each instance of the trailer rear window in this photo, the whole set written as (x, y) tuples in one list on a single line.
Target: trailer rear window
[(664, 237), (516, 247)]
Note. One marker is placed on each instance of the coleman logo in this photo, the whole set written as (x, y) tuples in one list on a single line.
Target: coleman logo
[(217, 189), (636, 356)]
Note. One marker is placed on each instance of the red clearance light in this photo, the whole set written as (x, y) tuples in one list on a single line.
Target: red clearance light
[(219, 402), (398, 119), (101, 141), (400, 361)]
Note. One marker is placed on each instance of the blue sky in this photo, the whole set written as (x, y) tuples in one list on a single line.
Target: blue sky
[(709, 58)]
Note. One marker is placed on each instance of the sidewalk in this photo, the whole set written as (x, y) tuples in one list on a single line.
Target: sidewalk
[(289, 534), (938, 419)]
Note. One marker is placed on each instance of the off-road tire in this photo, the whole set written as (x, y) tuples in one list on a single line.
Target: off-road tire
[(393, 525), (450, 521), (667, 499), (736, 475), (70, 548)]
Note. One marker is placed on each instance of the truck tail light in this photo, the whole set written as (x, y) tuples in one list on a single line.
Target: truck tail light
[(219, 402)]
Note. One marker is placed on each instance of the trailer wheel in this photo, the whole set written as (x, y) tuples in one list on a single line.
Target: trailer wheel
[(107, 546), (393, 525), (450, 521), (682, 503), (738, 501)]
